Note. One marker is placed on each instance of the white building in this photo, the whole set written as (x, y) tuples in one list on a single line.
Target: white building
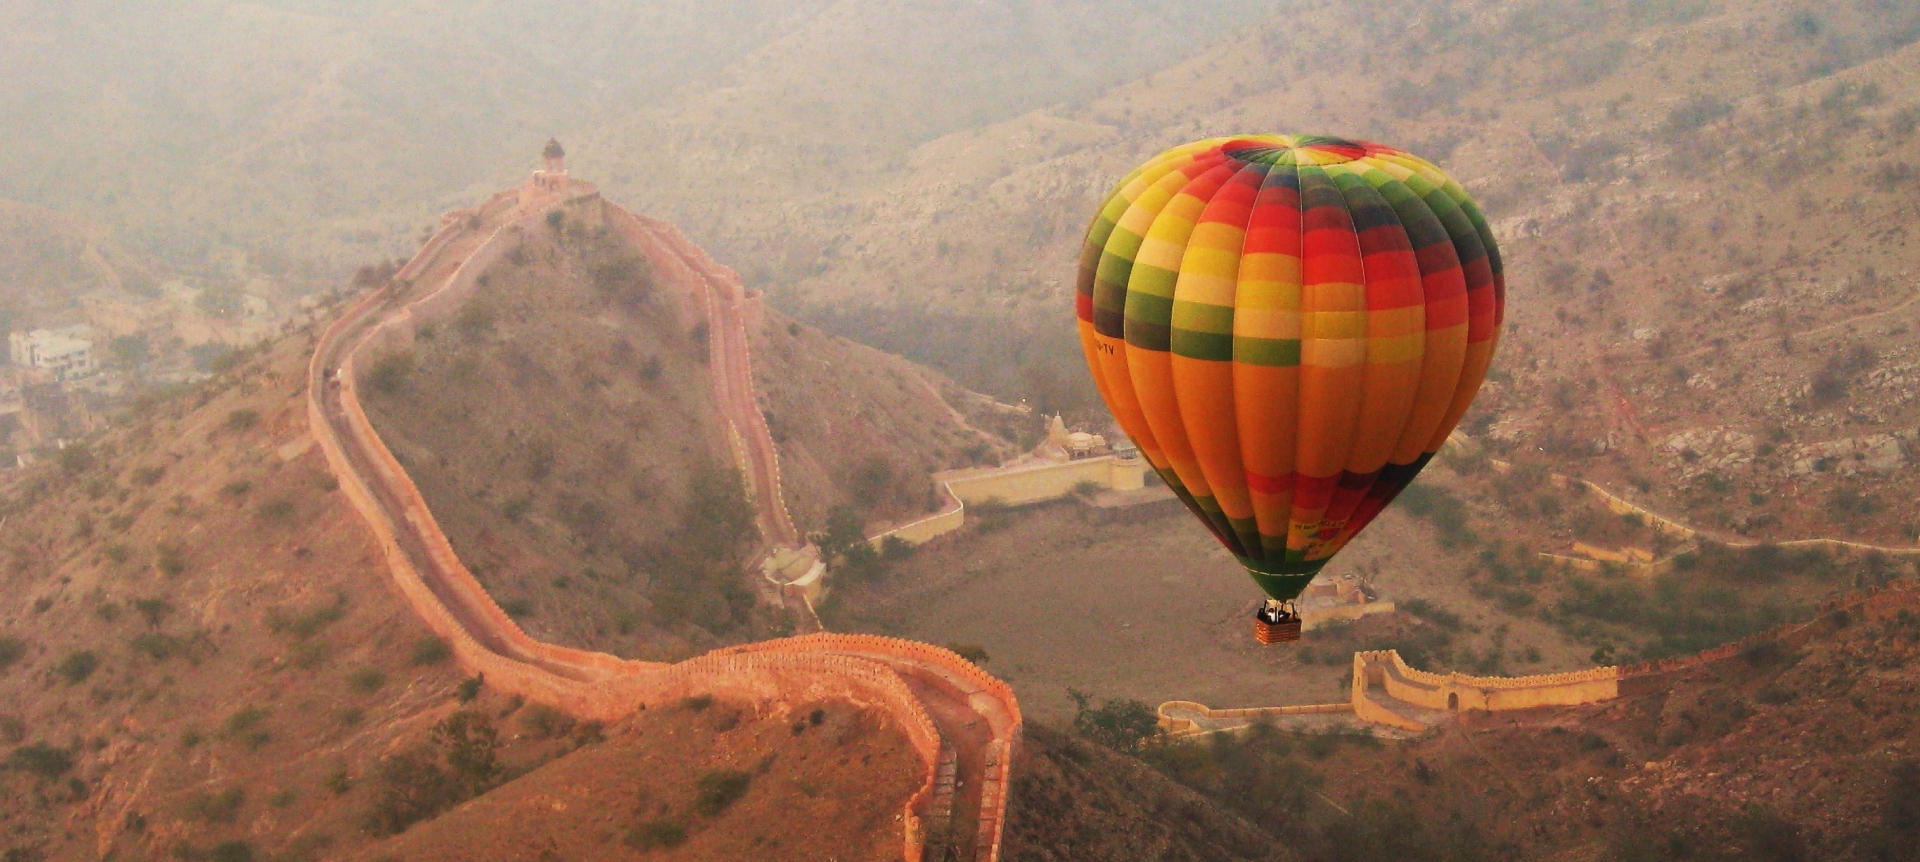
[(60, 351)]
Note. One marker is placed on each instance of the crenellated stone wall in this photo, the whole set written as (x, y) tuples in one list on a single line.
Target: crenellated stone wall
[(865, 670)]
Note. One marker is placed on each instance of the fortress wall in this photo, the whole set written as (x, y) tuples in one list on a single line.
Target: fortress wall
[(988, 695), (601, 687), (1364, 708), (1177, 726), (1022, 485), (951, 517)]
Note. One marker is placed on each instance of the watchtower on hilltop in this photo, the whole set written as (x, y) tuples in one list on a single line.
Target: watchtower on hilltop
[(553, 177)]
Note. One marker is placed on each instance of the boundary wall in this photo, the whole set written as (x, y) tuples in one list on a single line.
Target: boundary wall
[(864, 669), (1661, 523)]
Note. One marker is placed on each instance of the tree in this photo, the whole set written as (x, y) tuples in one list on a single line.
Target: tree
[(470, 744), (1120, 724)]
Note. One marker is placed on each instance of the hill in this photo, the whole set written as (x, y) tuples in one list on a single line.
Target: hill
[(202, 652), (1799, 746), (562, 424), (1751, 364)]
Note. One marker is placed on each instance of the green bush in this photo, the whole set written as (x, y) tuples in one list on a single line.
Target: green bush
[(656, 834), (169, 560), (12, 649), (222, 807), (971, 652), (408, 787), (367, 680), (278, 509), (430, 649), (389, 372), (718, 789), (1120, 724), (470, 745), (544, 722), (244, 726), (231, 851), (153, 610), (305, 624), (41, 759), (75, 667)]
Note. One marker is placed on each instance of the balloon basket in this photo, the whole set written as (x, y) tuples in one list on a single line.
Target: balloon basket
[(1269, 633)]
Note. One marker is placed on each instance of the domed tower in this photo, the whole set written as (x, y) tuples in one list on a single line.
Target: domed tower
[(556, 157)]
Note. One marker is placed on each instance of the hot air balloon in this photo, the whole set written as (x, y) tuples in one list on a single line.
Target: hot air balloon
[(1288, 327)]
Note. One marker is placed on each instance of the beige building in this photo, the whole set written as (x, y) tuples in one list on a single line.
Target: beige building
[(61, 352)]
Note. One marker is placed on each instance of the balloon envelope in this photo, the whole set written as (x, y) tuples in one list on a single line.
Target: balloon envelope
[(1288, 327)]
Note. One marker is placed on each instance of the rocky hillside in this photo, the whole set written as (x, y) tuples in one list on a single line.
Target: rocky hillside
[(1799, 747), (1644, 166), (202, 656), (562, 428)]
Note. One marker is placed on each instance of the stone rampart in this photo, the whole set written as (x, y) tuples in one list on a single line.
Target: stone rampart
[(1178, 727), (863, 669), (1032, 483)]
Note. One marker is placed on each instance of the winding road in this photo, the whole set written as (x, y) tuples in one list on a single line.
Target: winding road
[(965, 723)]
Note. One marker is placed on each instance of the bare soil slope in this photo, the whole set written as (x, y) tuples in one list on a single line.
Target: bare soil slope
[(198, 635), (695, 781)]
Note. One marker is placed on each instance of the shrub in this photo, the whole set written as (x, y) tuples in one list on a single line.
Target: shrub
[(471, 746), (474, 320), (1426, 610), (75, 667), (231, 851), (41, 759), (1122, 725), (1441, 508), (696, 703), (469, 688), (243, 419), (155, 645), (276, 509), (169, 560), (390, 372), (244, 726), (717, 789), (544, 722), (236, 488), (367, 680), (430, 649), (517, 607), (410, 787), (153, 610), (305, 624), (1696, 112), (222, 807), (12, 649), (971, 652), (656, 834), (149, 475)]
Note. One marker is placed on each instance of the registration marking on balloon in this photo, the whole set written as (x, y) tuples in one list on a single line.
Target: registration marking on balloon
[(1288, 326)]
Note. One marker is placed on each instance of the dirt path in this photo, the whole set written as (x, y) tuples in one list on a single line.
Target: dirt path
[(975, 716)]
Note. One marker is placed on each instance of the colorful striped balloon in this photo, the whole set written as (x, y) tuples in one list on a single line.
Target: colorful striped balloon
[(1288, 327)]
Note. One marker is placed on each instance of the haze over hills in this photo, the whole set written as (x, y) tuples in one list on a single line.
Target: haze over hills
[(325, 133), (1705, 211)]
